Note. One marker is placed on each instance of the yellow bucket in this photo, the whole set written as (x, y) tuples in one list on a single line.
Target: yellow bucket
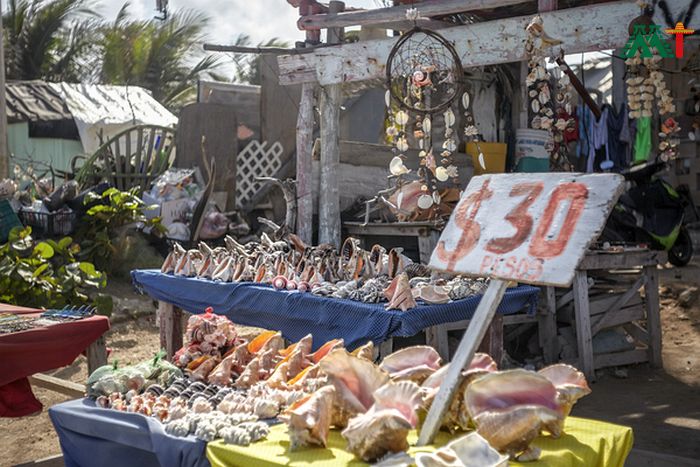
[(494, 157)]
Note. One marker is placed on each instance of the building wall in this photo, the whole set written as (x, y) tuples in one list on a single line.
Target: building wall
[(57, 152)]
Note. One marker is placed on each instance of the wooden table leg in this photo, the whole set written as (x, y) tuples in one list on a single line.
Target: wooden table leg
[(651, 303), (96, 354), (492, 343), (436, 337), (583, 325), (547, 327), (170, 328)]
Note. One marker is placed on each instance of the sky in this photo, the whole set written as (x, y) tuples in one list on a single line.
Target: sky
[(261, 19)]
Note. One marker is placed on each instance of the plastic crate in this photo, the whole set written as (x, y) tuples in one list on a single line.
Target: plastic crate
[(8, 220), (49, 224)]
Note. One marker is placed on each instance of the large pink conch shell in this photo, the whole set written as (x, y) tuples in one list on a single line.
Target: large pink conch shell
[(221, 374), (325, 349), (412, 363), (251, 375), (384, 427), (433, 294), (309, 419), (457, 416), (510, 408), (397, 262), (400, 292), (355, 381), (202, 371), (571, 385)]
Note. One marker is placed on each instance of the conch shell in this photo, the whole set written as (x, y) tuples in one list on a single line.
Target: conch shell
[(412, 363), (202, 371), (399, 294), (355, 381), (384, 427), (571, 385), (309, 419), (266, 341), (366, 351), (221, 374), (468, 451), (397, 262), (457, 415), (510, 408), (304, 344), (325, 349), (433, 294), (250, 375), (172, 259)]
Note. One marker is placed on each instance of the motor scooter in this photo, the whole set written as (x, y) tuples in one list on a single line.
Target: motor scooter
[(654, 213)]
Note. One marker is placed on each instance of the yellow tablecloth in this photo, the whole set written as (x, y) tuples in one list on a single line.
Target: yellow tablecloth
[(586, 443)]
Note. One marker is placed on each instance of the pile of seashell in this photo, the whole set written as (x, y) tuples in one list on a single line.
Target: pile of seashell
[(370, 276), (229, 394)]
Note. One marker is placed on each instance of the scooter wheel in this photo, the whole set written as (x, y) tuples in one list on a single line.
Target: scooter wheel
[(681, 252)]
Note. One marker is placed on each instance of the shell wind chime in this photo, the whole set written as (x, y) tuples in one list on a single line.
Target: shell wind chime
[(646, 90), (550, 110), (424, 78)]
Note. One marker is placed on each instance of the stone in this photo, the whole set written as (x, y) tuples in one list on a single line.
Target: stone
[(688, 297)]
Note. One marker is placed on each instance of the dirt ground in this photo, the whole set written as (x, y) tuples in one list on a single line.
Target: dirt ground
[(662, 406)]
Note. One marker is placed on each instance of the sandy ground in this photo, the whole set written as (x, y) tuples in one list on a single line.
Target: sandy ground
[(662, 406)]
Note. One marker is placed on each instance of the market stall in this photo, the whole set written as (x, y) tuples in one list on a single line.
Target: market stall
[(39, 344)]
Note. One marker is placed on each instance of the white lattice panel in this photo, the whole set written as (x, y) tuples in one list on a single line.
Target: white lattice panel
[(256, 160)]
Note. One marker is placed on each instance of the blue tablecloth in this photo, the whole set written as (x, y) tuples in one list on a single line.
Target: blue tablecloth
[(91, 436), (297, 314)]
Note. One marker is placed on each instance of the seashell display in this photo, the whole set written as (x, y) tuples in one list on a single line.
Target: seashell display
[(412, 363), (449, 117), (309, 419), (571, 385), (400, 293), (401, 117), (397, 167), (425, 201), (441, 174), (466, 100), (470, 450), (355, 380), (433, 294), (384, 427), (510, 408)]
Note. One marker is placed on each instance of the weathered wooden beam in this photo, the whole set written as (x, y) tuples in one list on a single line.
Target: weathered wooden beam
[(305, 130), (256, 50), (582, 29), (329, 229), (398, 13), (62, 386)]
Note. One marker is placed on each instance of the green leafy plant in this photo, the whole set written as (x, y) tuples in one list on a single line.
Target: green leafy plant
[(45, 274), (105, 222)]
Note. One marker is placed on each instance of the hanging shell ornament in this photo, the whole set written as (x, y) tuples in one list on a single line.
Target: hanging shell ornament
[(436, 197), (421, 78), (427, 125), (401, 117), (397, 167), (425, 201), (449, 116), (387, 98), (482, 162), (441, 174), (466, 100), (402, 144), (535, 105), (450, 145)]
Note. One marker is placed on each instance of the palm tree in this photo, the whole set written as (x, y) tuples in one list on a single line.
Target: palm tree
[(247, 66), (47, 39), (161, 56)]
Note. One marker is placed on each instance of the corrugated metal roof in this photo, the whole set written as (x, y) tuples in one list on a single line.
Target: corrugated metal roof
[(34, 101)]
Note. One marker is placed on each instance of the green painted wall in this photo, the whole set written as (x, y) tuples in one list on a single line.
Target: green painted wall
[(58, 152)]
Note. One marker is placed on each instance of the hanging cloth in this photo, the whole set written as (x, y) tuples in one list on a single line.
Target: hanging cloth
[(617, 146), (598, 146), (642, 142), (626, 136)]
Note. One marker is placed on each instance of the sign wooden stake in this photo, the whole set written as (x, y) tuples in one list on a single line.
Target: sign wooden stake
[(465, 352)]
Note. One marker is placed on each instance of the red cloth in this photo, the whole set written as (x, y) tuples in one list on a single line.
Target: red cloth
[(40, 349)]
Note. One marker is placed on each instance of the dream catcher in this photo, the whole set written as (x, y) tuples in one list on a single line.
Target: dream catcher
[(424, 77)]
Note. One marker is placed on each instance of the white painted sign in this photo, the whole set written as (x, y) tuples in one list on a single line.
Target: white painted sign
[(530, 228)]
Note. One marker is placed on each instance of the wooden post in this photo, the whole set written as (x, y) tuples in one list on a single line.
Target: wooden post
[(651, 303), (4, 150), (547, 328), (583, 325), (96, 354), (305, 130), (170, 328), (329, 196), (465, 352)]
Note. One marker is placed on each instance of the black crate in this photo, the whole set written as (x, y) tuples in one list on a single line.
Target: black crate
[(49, 224)]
